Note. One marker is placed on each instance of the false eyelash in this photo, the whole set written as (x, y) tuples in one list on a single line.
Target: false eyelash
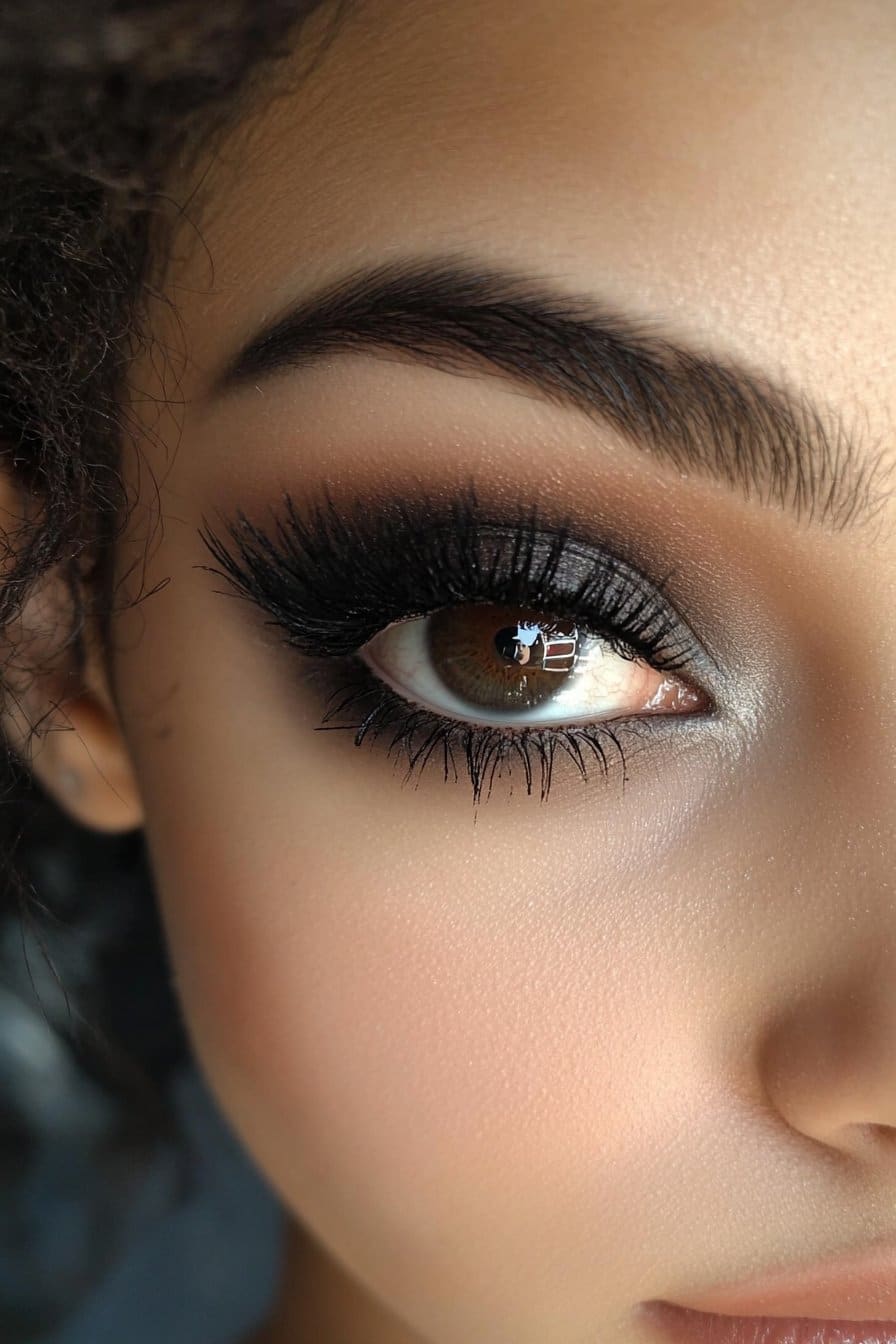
[(333, 577)]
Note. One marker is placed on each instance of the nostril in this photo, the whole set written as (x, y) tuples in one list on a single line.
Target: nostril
[(874, 1138)]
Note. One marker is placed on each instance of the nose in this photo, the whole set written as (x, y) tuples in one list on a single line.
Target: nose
[(828, 1065)]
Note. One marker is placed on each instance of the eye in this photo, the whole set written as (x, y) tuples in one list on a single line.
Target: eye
[(514, 666), (466, 641)]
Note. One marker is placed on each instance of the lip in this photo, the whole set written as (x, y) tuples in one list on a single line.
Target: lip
[(851, 1300), (681, 1325), (856, 1287)]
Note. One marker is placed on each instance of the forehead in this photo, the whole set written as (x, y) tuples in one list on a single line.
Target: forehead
[(728, 168)]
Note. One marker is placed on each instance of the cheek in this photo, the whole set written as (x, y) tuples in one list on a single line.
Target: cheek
[(368, 1004), (426, 1044), (456, 1043)]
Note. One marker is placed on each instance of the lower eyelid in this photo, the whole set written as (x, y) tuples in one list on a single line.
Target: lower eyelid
[(416, 742)]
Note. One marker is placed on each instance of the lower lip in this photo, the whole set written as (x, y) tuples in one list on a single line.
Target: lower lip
[(681, 1325)]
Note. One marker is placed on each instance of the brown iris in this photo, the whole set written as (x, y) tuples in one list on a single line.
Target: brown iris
[(502, 658)]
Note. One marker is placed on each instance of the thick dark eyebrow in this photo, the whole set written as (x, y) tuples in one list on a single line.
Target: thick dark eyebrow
[(696, 412)]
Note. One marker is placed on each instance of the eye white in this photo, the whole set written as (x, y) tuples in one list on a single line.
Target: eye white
[(601, 685)]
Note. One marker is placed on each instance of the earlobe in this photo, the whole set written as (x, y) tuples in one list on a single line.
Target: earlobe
[(82, 761), (56, 708)]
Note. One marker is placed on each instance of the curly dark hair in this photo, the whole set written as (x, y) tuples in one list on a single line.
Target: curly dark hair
[(97, 99)]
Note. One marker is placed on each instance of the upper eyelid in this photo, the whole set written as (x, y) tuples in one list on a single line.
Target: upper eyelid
[(285, 567)]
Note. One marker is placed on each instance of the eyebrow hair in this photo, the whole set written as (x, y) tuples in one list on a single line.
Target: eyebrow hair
[(693, 411)]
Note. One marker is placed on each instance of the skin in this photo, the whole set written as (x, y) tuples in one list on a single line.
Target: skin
[(515, 1109)]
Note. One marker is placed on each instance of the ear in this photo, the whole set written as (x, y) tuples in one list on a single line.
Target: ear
[(58, 713), (79, 756)]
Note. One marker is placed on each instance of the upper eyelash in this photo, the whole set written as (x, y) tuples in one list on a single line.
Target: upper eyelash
[(332, 578)]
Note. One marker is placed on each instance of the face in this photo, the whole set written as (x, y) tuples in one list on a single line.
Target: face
[(566, 988)]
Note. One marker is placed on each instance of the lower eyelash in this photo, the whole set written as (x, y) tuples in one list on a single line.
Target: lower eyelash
[(423, 738)]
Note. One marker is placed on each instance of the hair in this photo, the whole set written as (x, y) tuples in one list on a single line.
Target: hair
[(98, 99)]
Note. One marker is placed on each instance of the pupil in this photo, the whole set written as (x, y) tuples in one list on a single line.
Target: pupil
[(502, 658), (508, 645)]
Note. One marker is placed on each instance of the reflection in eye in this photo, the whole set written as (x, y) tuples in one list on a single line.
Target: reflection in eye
[(510, 665)]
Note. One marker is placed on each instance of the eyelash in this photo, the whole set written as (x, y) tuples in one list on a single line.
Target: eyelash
[(334, 576)]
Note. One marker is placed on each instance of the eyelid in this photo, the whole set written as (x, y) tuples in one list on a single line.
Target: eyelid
[(332, 575)]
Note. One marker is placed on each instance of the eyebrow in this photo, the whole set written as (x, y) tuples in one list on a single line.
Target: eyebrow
[(693, 411)]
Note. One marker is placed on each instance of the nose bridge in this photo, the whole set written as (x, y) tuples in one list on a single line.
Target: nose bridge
[(838, 777), (825, 1005), (852, 828)]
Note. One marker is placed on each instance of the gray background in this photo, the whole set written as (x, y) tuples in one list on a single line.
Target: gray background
[(204, 1273)]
